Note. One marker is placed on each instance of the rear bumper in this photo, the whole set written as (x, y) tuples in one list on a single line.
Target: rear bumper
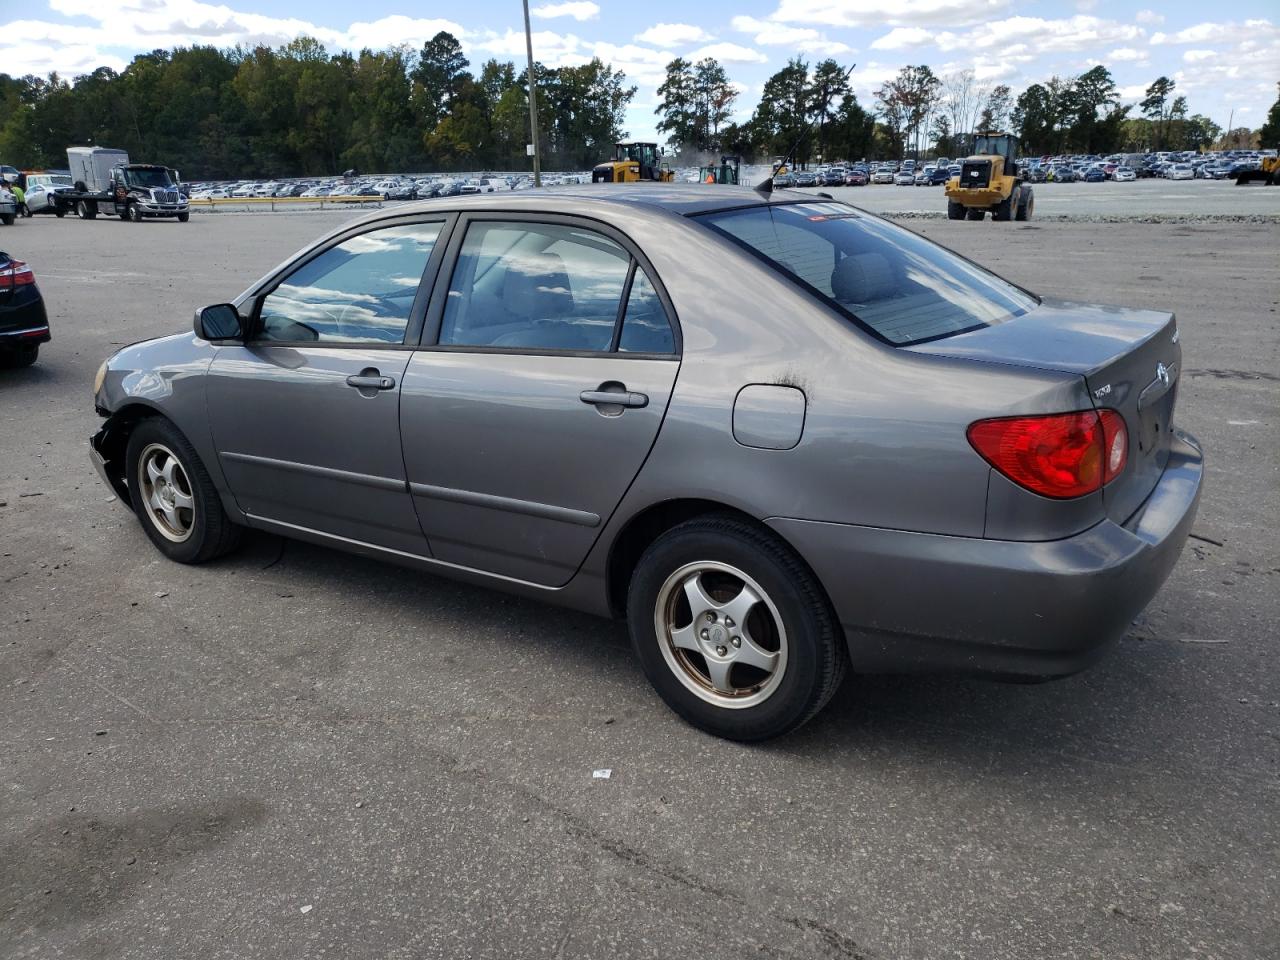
[(916, 602)]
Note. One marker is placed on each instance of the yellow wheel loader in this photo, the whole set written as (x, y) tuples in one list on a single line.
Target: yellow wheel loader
[(1266, 173), (631, 163), (990, 181)]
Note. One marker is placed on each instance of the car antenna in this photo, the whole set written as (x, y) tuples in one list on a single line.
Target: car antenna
[(765, 187)]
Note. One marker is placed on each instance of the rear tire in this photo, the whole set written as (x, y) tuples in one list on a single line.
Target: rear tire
[(1004, 209), (174, 496), (86, 210), (1027, 206), (955, 211), (8, 218), (749, 680), (974, 214), (19, 356)]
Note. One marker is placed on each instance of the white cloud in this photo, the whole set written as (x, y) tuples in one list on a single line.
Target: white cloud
[(1127, 55), (903, 38), (1043, 36), (846, 13), (1084, 6), (580, 10), (728, 53), (1149, 16), (800, 39), (673, 35), (549, 47), (1195, 56), (1216, 32)]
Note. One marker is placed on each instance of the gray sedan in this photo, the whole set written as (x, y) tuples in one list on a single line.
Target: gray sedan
[(781, 437)]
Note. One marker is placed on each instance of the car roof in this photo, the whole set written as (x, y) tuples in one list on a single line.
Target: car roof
[(684, 200)]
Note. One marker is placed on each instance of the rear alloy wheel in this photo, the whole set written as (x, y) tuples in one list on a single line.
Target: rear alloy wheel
[(174, 496), (732, 630)]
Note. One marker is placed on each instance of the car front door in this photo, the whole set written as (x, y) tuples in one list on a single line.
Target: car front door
[(305, 414), (544, 377)]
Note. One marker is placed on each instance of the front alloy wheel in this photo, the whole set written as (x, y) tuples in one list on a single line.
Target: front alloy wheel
[(166, 492), (173, 495)]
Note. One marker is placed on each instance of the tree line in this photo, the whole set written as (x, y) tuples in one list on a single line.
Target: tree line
[(298, 110)]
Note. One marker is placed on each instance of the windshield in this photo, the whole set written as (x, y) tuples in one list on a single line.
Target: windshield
[(898, 286), (147, 177)]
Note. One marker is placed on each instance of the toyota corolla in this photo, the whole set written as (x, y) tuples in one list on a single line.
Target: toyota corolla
[(779, 436)]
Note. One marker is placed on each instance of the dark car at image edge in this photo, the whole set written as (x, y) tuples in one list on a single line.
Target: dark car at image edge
[(779, 436), (24, 324)]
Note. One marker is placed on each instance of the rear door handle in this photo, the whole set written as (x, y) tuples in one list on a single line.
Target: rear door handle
[(608, 397), (363, 381)]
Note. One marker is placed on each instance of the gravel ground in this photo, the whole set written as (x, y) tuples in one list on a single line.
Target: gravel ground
[(298, 753)]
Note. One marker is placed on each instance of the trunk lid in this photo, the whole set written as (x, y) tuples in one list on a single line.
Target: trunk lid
[(1130, 361)]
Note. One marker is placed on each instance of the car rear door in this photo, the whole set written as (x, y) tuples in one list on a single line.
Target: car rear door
[(305, 414), (548, 362)]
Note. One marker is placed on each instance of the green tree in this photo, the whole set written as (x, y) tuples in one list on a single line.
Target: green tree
[(678, 104), (438, 76), (1155, 106), (1269, 132)]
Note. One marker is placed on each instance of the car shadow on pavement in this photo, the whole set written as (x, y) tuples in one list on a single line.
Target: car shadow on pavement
[(952, 715)]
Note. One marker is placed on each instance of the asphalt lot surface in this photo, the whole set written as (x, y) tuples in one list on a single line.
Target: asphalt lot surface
[(1137, 198), (298, 753)]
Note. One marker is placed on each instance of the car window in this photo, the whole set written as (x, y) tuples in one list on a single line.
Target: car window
[(539, 286), (359, 291), (899, 286), (645, 328)]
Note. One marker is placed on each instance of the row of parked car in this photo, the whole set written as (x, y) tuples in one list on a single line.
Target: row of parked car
[(399, 187)]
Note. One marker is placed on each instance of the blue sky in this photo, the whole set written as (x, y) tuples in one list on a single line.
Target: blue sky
[(1224, 60)]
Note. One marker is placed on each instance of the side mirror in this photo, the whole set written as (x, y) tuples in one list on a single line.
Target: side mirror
[(219, 322)]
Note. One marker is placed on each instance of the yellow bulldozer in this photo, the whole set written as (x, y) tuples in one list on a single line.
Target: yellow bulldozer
[(990, 181), (631, 163), (1267, 173)]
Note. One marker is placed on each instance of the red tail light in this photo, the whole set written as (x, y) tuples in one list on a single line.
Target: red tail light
[(16, 274), (1060, 455)]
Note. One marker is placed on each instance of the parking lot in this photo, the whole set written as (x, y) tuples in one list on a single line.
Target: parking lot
[(298, 753)]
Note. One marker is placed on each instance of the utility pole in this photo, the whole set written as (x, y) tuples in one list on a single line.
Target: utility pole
[(533, 101)]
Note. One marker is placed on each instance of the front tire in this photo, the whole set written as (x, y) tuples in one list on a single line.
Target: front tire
[(184, 217), (8, 218), (133, 212), (174, 496), (733, 630)]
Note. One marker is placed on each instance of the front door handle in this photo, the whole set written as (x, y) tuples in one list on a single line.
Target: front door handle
[(370, 381), (620, 398)]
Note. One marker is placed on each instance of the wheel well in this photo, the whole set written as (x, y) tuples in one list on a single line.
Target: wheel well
[(643, 529), (116, 431)]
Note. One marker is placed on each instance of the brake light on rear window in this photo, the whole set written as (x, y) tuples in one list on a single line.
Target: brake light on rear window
[(16, 274), (1059, 455)]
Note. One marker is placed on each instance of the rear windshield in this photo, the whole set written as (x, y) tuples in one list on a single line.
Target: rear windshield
[(900, 287)]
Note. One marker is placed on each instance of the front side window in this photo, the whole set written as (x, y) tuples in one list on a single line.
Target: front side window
[(358, 291), (897, 285), (535, 286)]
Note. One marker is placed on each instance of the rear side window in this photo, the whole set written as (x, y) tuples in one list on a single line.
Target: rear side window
[(899, 286), (551, 287)]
